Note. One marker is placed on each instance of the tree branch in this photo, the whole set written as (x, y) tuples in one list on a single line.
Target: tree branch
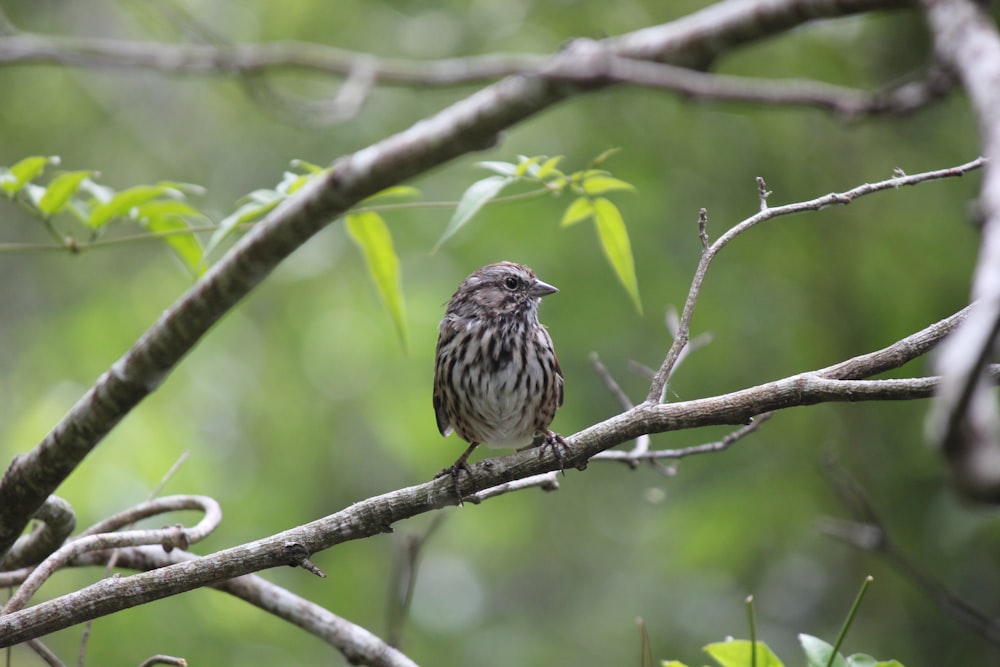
[(868, 532), (57, 522), (377, 514), (362, 71), (709, 251), (171, 537), (359, 646), (964, 421)]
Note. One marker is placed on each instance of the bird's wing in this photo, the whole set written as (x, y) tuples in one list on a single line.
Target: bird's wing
[(559, 375), (446, 334)]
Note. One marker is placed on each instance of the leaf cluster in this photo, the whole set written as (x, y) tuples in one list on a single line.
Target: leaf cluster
[(586, 186), (161, 210), (746, 653), (88, 209)]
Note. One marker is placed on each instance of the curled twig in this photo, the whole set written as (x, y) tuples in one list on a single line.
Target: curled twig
[(163, 660), (57, 523), (97, 537)]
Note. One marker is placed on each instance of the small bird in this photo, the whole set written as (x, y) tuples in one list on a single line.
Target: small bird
[(497, 381)]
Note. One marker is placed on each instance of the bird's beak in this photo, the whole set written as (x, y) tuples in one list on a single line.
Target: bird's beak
[(540, 289)]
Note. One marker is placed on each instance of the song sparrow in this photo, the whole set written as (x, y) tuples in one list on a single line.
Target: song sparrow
[(497, 381)]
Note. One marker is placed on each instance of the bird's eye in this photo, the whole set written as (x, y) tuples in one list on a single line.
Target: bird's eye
[(511, 283)]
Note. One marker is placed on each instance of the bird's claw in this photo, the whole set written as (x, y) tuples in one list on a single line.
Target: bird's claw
[(455, 472), (553, 441)]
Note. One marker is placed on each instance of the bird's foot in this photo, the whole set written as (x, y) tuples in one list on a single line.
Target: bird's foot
[(553, 441), (455, 471)]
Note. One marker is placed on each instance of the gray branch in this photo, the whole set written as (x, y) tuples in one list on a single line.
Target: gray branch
[(56, 523), (358, 645), (964, 421), (638, 59)]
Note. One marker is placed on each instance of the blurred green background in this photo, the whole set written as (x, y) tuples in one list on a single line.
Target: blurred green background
[(302, 401)]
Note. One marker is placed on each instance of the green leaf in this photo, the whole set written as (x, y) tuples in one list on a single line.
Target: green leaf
[(614, 240), (162, 207), (308, 167), (185, 188), (186, 246), (737, 654), (395, 192), (579, 209), (548, 167), (502, 168), (526, 164), (25, 171), (122, 203), (818, 652), (595, 185), (59, 191), (370, 232), (291, 182), (862, 660), (580, 176), (602, 158), (474, 198), (256, 205)]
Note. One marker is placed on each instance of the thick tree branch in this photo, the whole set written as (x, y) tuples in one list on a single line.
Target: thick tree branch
[(964, 420), (471, 124)]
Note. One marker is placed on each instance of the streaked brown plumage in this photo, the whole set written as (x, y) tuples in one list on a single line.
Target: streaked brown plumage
[(497, 380)]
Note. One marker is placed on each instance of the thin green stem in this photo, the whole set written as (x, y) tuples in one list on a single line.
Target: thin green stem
[(850, 619), (75, 246), (753, 631), (80, 246)]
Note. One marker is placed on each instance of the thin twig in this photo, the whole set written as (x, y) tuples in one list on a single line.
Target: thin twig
[(56, 522), (74, 246), (113, 559), (47, 655), (403, 579), (548, 481), (642, 442), (163, 660), (657, 387), (585, 62), (96, 538), (632, 457), (870, 534)]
